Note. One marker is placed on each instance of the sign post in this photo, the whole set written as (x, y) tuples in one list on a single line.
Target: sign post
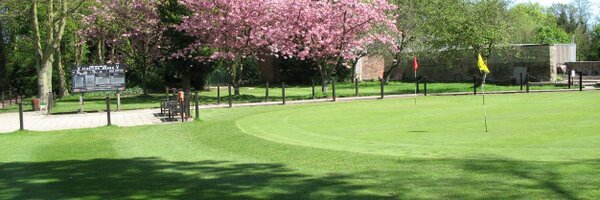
[(91, 78), (81, 102)]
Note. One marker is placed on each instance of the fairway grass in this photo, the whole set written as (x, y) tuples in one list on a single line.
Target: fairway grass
[(540, 146)]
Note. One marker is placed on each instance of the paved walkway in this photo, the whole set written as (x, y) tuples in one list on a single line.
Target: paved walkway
[(37, 122)]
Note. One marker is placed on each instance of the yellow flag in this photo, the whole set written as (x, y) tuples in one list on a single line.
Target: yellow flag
[(482, 66)]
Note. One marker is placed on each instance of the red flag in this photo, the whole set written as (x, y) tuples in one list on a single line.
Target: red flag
[(415, 64)]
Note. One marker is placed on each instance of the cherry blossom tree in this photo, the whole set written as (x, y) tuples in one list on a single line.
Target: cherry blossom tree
[(130, 28), (334, 32), (236, 30), (325, 31)]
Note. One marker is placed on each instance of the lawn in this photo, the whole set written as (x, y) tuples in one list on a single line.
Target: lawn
[(95, 103), (540, 146)]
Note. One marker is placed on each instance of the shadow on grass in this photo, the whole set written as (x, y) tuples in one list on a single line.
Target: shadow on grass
[(155, 178), (541, 177)]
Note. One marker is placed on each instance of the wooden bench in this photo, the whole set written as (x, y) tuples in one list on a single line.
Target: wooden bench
[(171, 108)]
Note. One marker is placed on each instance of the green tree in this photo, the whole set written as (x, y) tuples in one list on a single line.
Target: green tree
[(53, 27)]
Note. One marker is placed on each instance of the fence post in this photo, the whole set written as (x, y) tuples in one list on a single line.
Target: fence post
[(580, 81), (333, 89), (527, 83), (229, 97), (381, 87), (521, 81), (313, 89), (474, 85), (50, 102), (188, 100), (81, 102), (21, 127), (267, 92), (196, 106), (167, 92), (283, 92), (108, 111), (118, 100), (569, 81), (356, 87), (418, 89), (425, 86), (218, 94)]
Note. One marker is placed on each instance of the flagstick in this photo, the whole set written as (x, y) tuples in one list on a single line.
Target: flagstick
[(484, 111), (416, 87)]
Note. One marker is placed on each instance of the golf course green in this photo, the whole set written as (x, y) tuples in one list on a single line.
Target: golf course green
[(539, 146), (541, 127)]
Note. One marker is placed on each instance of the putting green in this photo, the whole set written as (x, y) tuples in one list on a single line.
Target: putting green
[(539, 127)]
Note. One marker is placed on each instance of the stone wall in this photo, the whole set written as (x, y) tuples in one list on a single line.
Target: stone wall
[(590, 68), (505, 65), (370, 68)]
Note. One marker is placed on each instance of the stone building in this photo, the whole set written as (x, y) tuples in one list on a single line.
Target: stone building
[(541, 61)]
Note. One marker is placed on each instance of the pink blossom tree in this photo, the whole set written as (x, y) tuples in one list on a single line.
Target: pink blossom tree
[(130, 28), (236, 30), (334, 32), (325, 31)]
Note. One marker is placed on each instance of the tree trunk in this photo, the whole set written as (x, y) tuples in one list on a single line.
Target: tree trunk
[(45, 80), (324, 78), (185, 80), (239, 78), (3, 70), (388, 74), (100, 52), (62, 82), (145, 77)]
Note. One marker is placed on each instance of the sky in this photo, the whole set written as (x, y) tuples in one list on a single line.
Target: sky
[(595, 5)]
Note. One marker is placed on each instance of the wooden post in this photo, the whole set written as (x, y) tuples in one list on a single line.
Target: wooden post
[(313, 89), (356, 87), (418, 89), (118, 100), (188, 102), (333, 89), (196, 106), (182, 105), (108, 111), (521, 81), (569, 81), (50, 103), (267, 92), (381, 87), (527, 83), (474, 85), (167, 92), (580, 81), (81, 102), (21, 127), (283, 92), (229, 97), (425, 86), (218, 94)]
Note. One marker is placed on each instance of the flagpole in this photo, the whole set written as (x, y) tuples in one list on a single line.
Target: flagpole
[(415, 87), (484, 110)]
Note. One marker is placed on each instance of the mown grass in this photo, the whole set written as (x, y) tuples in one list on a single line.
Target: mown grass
[(540, 146)]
